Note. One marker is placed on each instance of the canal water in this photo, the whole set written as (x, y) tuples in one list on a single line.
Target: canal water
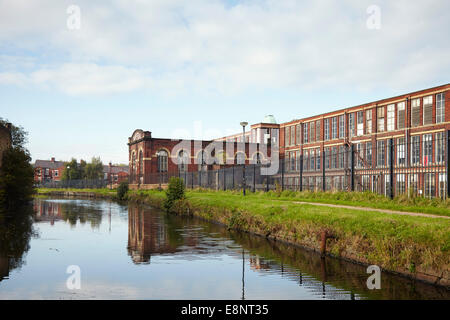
[(137, 252)]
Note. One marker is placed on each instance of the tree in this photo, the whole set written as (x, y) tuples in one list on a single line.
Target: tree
[(18, 134), (94, 170), (72, 171), (16, 178), (16, 173)]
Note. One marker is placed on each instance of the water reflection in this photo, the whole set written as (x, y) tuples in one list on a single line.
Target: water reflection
[(71, 211), (16, 230), (153, 233), (138, 252)]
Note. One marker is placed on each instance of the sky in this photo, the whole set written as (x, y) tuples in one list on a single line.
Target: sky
[(81, 79)]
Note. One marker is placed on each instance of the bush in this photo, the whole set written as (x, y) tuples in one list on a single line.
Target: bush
[(174, 192), (16, 178), (122, 190)]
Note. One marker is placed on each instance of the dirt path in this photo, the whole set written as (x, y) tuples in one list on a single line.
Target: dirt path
[(416, 214)]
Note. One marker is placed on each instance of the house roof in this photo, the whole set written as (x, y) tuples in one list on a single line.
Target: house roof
[(48, 164), (115, 169)]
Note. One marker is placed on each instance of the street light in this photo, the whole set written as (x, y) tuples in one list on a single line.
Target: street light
[(243, 124)]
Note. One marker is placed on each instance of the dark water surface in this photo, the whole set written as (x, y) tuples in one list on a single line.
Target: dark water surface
[(136, 252)]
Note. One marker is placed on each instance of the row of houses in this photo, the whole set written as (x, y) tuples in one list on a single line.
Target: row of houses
[(52, 171)]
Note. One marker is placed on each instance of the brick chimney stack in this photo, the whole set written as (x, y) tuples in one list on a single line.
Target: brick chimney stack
[(53, 159)]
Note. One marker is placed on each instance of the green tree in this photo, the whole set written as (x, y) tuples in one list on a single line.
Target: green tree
[(94, 170), (18, 134), (175, 191), (72, 171), (16, 178)]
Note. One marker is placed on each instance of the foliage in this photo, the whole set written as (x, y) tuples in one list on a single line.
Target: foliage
[(18, 135), (122, 190), (94, 169), (174, 192), (16, 178), (72, 171)]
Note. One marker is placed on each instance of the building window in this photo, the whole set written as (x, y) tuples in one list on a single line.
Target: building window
[(341, 127), (427, 149), (327, 158), (240, 158), (415, 150), (318, 130), (440, 145), (299, 131), (391, 117), (401, 154), (333, 157), (440, 108), (183, 158), (327, 129), (162, 157), (428, 110), (341, 157), (55, 173), (312, 159), (334, 128), (351, 125), (413, 182), (292, 135), (201, 161), (360, 123), (400, 183), (305, 133), (380, 117), (318, 159), (415, 113), (401, 115), (429, 181), (359, 155), (369, 154), (312, 132), (287, 135), (381, 151), (368, 121)]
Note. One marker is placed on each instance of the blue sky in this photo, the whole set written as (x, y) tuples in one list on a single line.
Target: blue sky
[(167, 66)]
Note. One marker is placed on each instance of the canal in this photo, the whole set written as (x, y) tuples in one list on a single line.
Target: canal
[(137, 252)]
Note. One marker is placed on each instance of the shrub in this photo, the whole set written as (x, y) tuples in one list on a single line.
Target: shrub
[(122, 190), (174, 192)]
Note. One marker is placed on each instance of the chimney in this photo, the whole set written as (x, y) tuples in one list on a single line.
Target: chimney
[(53, 159)]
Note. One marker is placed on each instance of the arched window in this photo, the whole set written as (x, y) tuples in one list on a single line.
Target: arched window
[(201, 161), (141, 162), (163, 158), (257, 158), (183, 159), (240, 158), (133, 163)]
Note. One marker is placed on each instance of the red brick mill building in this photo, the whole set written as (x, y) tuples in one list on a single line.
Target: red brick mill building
[(390, 146)]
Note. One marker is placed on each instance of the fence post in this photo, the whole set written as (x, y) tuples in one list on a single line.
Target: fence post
[(254, 178), (282, 174), (391, 168), (352, 167), (323, 171), (301, 172), (448, 164)]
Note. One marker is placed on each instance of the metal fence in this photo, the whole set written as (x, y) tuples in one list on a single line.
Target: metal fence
[(390, 167), (75, 183)]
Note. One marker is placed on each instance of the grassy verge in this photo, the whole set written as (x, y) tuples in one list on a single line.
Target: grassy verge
[(102, 191)]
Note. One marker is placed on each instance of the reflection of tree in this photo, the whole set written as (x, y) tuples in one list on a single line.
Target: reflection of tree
[(15, 233), (70, 212)]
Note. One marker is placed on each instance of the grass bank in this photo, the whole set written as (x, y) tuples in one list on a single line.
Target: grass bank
[(418, 247)]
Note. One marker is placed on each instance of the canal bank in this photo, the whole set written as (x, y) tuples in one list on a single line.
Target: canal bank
[(415, 247)]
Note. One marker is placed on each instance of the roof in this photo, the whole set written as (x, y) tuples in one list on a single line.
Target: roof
[(48, 164), (115, 169)]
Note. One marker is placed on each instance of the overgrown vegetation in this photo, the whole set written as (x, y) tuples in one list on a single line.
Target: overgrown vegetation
[(175, 192), (16, 172), (83, 170), (122, 191)]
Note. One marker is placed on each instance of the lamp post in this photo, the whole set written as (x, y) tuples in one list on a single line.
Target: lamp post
[(243, 124), (68, 173)]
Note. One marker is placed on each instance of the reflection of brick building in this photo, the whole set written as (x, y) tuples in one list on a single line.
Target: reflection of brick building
[(48, 170), (5, 139), (47, 211), (146, 235)]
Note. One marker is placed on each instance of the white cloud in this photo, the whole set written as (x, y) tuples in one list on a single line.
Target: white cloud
[(204, 45)]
